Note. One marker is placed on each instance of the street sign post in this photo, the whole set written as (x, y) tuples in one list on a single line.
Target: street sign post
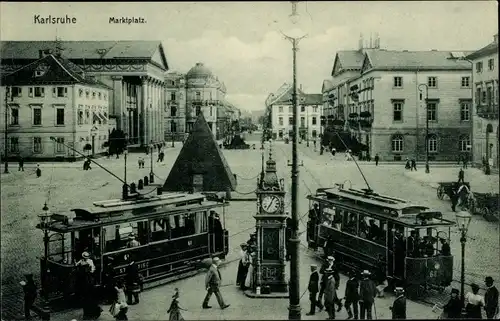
[(93, 132)]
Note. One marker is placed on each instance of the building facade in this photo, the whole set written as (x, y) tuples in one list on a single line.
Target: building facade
[(485, 131), (385, 107), (133, 69), (53, 97), (280, 106), (197, 91)]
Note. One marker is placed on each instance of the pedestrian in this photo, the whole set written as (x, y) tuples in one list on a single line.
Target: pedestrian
[(413, 164), (377, 158), (313, 288), (490, 298), (461, 176), (465, 161), (175, 309), (133, 282), (21, 164), (352, 296), (139, 162), (162, 156), (330, 294), (445, 247), (407, 164), (119, 308), (367, 292), (243, 266), (453, 309), (398, 308), (30, 292), (38, 171), (474, 303), (213, 281)]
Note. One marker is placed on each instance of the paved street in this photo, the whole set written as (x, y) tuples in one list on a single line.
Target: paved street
[(66, 185)]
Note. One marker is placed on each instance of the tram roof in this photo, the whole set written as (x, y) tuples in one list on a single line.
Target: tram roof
[(116, 211), (370, 198)]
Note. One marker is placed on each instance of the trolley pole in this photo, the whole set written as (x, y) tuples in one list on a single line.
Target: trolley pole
[(294, 307), (6, 147)]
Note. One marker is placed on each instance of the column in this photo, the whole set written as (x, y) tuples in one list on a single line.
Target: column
[(143, 114), (117, 109)]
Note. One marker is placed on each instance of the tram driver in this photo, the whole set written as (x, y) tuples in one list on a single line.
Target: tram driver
[(86, 262), (215, 227)]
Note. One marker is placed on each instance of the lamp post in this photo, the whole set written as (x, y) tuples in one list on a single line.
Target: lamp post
[(463, 220), (44, 218), (307, 128), (427, 170), (125, 185), (294, 36)]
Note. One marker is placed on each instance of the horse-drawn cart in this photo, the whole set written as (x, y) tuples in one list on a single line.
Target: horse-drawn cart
[(449, 189), (486, 204)]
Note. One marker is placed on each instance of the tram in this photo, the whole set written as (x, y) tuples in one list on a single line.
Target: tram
[(365, 230), (173, 233)]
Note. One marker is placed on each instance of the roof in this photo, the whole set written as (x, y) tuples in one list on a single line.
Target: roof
[(199, 71), (347, 59), (201, 155), (304, 99), (485, 51), (87, 50), (54, 69), (313, 99), (327, 85), (413, 60)]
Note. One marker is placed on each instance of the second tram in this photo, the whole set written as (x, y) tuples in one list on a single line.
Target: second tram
[(392, 237)]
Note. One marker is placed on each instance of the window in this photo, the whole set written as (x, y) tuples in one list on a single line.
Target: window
[(39, 92), (302, 109), (80, 92), (211, 111), (172, 82), (464, 111), (315, 109), (80, 114), (290, 109), (280, 121), (464, 143), (38, 73), (280, 109), (397, 144), (432, 82), (59, 92), (59, 145), (314, 133), (398, 111), (314, 120), (99, 95), (173, 127), (491, 64), (173, 111), (172, 96), (87, 115), (398, 82), (432, 111), (488, 96), (37, 144), (59, 116), (479, 66), (87, 94), (16, 92), (198, 95), (198, 110), (37, 116), (302, 121), (465, 82), (290, 120), (483, 97), (93, 95), (104, 96), (14, 145), (432, 143), (14, 116)]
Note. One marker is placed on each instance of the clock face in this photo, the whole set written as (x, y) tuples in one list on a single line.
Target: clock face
[(271, 204)]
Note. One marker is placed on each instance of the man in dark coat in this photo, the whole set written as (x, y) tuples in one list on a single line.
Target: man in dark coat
[(367, 292), (313, 288), (377, 158), (399, 306), (21, 163), (329, 264), (445, 247), (132, 283), (38, 171), (490, 298), (29, 289), (352, 295), (461, 175), (453, 309)]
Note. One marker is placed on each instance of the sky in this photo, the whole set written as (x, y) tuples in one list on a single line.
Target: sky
[(241, 41)]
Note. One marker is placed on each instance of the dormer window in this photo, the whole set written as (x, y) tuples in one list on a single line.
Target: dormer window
[(38, 73), (41, 70)]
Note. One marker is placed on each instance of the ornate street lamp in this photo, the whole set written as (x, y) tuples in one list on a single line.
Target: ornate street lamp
[(463, 220), (125, 186), (295, 32), (427, 170), (44, 218)]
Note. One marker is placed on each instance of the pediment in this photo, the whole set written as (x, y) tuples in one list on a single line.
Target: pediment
[(159, 57), (366, 64), (337, 66)]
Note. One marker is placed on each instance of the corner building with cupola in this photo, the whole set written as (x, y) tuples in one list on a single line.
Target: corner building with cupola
[(134, 70)]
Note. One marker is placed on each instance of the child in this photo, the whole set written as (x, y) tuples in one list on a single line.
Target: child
[(119, 308), (174, 310)]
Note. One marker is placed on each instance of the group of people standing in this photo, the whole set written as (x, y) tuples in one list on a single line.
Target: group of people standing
[(244, 277)]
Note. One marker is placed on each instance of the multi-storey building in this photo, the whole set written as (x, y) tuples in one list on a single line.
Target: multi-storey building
[(134, 69), (386, 108), (197, 91), (280, 110), (53, 97), (485, 134)]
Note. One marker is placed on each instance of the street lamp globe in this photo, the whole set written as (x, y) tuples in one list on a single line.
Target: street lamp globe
[(463, 220), (44, 216), (298, 24)]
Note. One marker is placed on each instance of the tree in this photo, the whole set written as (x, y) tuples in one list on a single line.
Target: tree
[(117, 142)]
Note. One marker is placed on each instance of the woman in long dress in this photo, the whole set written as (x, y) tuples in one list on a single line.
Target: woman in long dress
[(249, 279), (474, 303), (175, 309)]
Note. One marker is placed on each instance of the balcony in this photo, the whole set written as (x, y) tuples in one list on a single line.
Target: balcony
[(487, 111)]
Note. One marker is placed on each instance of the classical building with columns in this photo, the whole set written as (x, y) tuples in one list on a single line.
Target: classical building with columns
[(133, 69)]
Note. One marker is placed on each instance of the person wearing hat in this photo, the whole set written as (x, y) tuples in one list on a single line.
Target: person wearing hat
[(313, 288), (213, 281), (490, 298), (38, 171), (243, 266), (330, 292), (132, 242), (352, 295), (133, 283), (399, 306), (445, 247), (367, 293), (29, 289), (453, 309), (175, 309), (329, 264), (86, 262), (474, 302)]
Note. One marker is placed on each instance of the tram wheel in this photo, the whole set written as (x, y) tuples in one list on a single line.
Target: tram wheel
[(440, 192)]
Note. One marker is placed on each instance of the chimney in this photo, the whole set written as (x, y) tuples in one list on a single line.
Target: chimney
[(300, 86), (360, 43), (371, 41), (495, 39)]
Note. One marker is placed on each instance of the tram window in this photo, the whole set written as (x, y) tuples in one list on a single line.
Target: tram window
[(362, 226), (337, 219), (351, 223), (204, 221), (327, 216), (117, 237), (160, 229), (59, 247), (176, 226), (200, 223), (189, 224), (375, 231), (83, 242)]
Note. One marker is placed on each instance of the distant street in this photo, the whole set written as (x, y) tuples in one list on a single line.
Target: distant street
[(23, 196)]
